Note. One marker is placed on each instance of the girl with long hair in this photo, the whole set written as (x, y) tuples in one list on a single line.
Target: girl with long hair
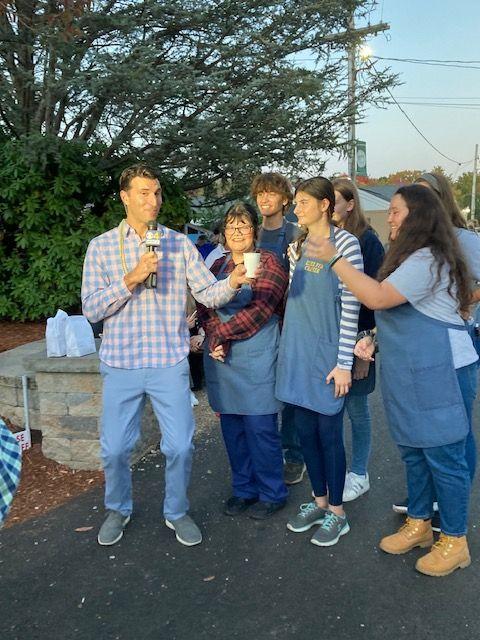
[(349, 215), (316, 356), (427, 363)]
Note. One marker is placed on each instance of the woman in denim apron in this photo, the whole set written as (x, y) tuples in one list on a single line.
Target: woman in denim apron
[(243, 338), (470, 244), (428, 368), (315, 360)]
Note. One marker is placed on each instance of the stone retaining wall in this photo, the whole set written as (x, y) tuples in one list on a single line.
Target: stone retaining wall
[(65, 404)]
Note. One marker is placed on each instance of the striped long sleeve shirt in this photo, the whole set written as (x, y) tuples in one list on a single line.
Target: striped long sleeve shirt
[(146, 327), (349, 247)]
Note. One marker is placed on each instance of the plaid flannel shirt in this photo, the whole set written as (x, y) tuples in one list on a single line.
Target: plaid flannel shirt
[(146, 327), (268, 298), (10, 466)]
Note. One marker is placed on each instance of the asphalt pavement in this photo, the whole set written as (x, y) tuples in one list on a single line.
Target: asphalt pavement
[(248, 580)]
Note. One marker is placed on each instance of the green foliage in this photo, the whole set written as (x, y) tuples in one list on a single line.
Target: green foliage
[(211, 90), (463, 192), (55, 199)]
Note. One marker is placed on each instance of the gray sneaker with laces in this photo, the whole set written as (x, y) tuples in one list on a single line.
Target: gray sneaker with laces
[(309, 515), (186, 531), (111, 530), (330, 530)]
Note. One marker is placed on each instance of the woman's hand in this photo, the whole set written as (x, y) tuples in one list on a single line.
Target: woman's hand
[(365, 348), (342, 379), (320, 248), (360, 369), (218, 353), (196, 343), (238, 276)]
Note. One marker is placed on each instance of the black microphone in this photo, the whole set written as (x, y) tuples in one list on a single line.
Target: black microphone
[(152, 240)]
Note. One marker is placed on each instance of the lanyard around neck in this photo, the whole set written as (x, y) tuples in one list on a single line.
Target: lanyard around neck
[(122, 231)]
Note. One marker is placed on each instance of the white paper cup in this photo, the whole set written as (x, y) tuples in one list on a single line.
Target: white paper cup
[(251, 262)]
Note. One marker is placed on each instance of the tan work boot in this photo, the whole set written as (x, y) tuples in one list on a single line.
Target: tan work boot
[(414, 533), (447, 554)]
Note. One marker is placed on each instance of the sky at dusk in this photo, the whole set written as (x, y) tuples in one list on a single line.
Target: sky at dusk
[(424, 29)]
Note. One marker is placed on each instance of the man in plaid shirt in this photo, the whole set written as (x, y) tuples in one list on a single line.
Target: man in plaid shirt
[(145, 347)]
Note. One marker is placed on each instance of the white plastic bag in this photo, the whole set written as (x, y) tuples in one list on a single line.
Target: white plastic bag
[(79, 336), (55, 335)]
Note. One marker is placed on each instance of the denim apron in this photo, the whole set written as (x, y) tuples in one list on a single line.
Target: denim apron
[(245, 383), (421, 394), (309, 341), (279, 247)]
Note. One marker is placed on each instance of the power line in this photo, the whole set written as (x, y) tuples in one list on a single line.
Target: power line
[(437, 98), (468, 107), (448, 64), (419, 60), (415, 126)]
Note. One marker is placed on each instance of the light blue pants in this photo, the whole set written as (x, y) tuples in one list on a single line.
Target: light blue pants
[(359, 414), (124, 394)]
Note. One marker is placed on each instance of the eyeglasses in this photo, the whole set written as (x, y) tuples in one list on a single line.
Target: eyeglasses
[(242, 230)]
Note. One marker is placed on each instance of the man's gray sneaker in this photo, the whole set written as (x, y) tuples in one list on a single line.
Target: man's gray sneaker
[(293, 472), (330, 530), (111, 530), (186, 531), (310, 514)]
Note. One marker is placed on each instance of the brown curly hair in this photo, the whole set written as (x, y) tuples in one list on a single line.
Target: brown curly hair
[(272, 181)]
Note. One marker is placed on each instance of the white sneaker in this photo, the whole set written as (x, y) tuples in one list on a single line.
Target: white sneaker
[(355, 486), (193, 399)]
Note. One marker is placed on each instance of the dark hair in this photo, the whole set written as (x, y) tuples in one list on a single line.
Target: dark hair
[(355, 223), (319, 188), (442, 187), (136, 171), (272, 181), (239, 210), (428, 225)]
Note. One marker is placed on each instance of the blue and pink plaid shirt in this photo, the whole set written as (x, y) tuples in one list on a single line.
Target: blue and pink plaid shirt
[(146, 327)]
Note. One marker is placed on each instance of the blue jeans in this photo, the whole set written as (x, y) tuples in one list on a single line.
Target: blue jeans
[(292, 449), (359, 414), (442, 472), (124, 393), (467, 379), (255, 452), (321, 438)]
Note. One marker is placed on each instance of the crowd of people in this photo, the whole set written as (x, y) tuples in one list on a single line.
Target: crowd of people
[(287, 351)]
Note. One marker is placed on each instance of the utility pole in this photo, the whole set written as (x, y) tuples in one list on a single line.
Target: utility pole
[(352, 169), (474, 185), (352, 72)]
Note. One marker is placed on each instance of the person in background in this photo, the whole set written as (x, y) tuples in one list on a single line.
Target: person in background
[(195, 357), (145, 347), (470, 245), (428, 369), (219, 250), (239, 363), (273, 195), (204, 245), (316, 357), (348, 215)]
